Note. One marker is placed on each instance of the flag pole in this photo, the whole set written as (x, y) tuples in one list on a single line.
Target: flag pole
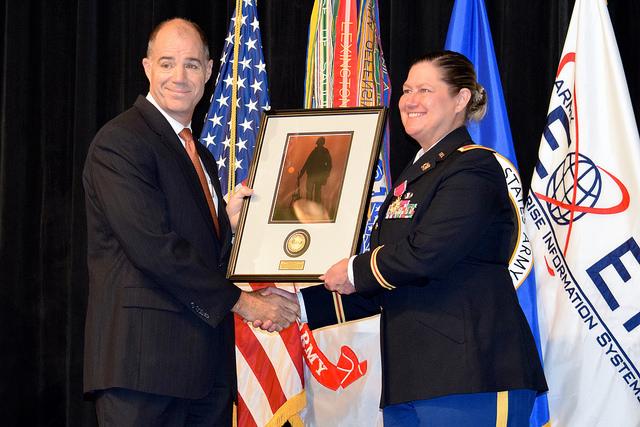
[(234, 101)]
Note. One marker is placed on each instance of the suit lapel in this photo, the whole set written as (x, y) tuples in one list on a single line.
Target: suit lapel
[(168, 137), (225, 226)]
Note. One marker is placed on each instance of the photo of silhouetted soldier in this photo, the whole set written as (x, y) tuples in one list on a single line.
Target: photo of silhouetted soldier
[(317, 167), (311, 177)]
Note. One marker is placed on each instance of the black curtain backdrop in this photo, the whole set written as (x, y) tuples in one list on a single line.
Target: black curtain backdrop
[(69, 66)]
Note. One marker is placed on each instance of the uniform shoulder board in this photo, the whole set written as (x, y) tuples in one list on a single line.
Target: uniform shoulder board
[(473, 147)]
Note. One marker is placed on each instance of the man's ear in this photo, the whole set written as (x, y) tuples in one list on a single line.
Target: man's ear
[(209, 69), (146, 63)]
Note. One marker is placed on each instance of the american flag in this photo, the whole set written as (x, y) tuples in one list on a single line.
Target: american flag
[(230, 134), (269, 366)]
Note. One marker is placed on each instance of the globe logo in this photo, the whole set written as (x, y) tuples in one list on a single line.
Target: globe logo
[(562, 184), (587, 180)]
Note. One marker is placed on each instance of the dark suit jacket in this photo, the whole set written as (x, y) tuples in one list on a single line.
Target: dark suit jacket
[(451, 322), (158, 316)]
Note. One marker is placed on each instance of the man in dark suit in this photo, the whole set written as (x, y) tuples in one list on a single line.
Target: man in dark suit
[(159, 340)]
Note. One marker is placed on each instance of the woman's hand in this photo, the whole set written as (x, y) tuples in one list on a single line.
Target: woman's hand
[(336, 278)]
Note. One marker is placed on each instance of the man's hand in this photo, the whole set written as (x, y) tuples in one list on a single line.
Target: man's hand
[(269, 311), (336, 278), (234, 206), (267, 325)]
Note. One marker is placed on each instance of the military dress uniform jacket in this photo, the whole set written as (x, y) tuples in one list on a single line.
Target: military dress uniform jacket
[(438, 270), (158, 315)]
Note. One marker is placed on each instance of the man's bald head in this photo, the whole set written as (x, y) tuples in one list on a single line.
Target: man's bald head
[(182, 25)]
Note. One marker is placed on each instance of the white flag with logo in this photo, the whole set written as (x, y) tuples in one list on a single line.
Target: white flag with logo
[(583, 217)]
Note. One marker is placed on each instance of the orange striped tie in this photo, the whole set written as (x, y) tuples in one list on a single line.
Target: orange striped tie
[(190, 146)]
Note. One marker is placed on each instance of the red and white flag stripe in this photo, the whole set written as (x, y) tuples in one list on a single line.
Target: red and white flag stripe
[(270, 372)]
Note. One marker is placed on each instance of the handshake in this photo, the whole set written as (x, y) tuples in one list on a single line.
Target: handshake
[(271, 309)]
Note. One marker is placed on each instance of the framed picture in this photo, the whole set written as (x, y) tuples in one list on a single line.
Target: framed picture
[(311, 174)]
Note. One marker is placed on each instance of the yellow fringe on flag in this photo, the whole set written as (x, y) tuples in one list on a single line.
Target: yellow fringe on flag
[(289, 411)]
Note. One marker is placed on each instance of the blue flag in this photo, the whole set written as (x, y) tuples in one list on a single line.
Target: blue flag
[(232, 138), (469, 33)]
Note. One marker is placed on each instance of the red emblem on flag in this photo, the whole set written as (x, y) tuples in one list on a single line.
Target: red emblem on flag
[(333, 376)]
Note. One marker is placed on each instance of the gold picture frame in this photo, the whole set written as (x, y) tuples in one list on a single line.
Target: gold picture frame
[(311, 173)]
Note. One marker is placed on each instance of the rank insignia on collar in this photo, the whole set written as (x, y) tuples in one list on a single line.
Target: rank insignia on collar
[(441, 155), (425, 166)]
